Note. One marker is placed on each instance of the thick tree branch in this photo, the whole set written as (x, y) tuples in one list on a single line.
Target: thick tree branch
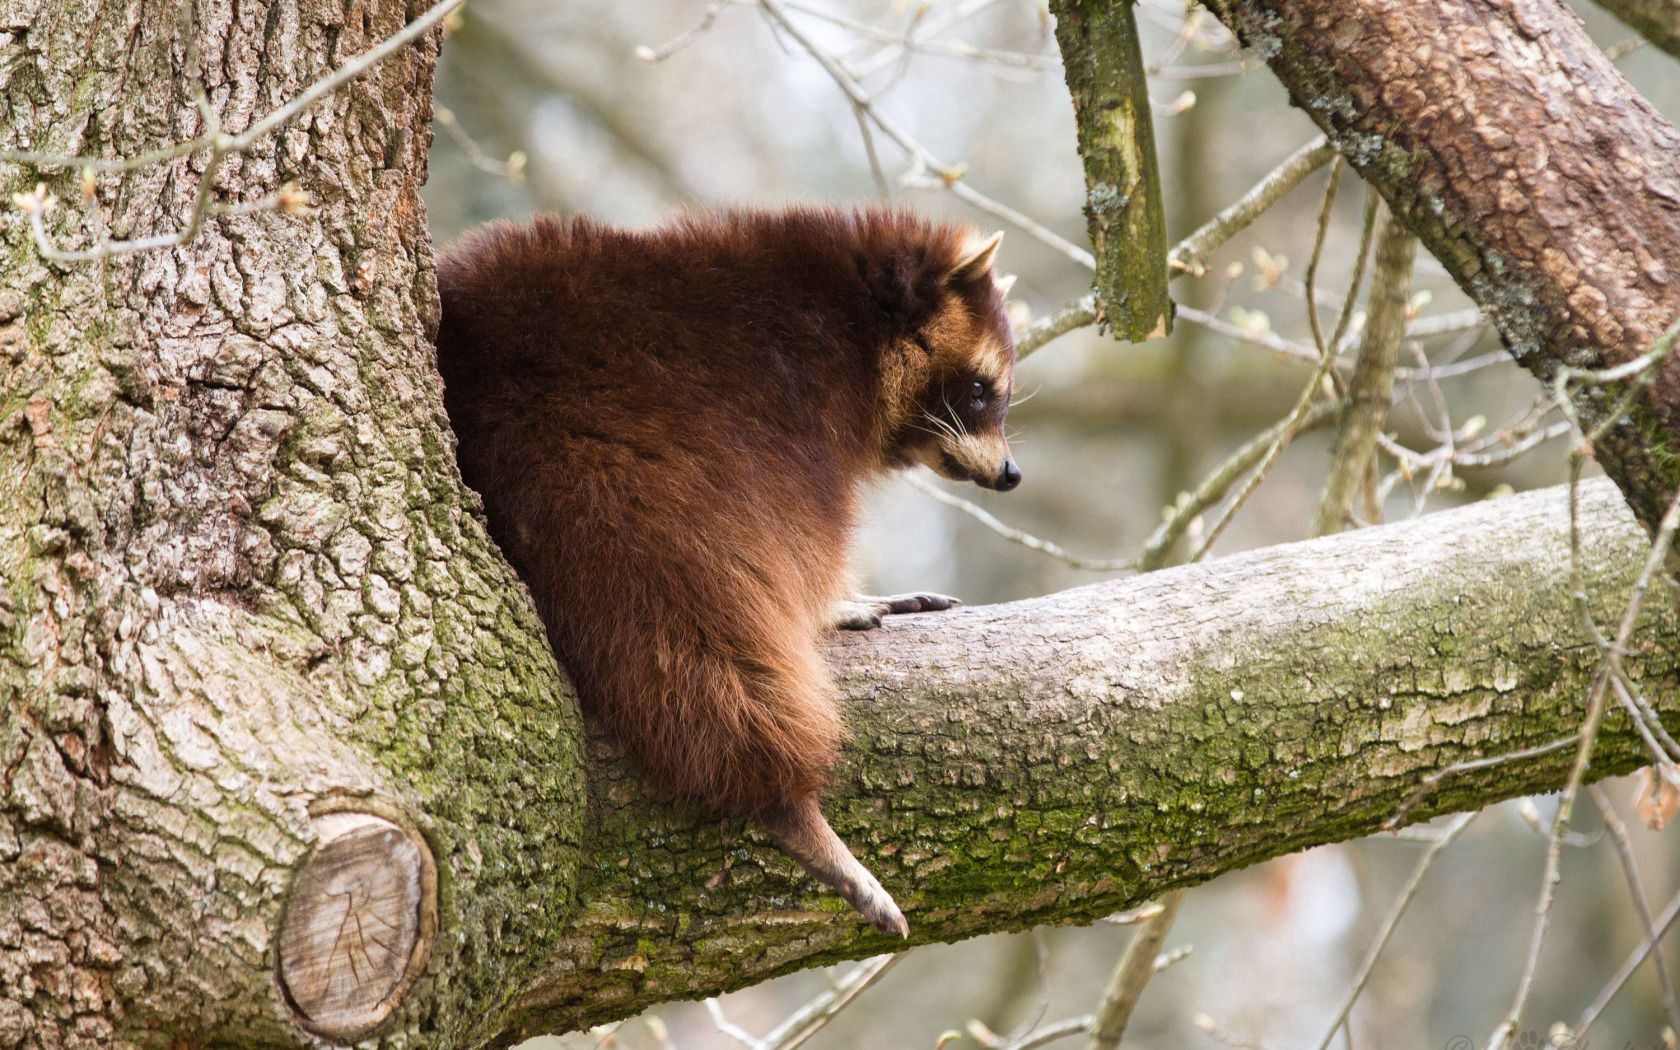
[(1057, 759), (1522, 159)]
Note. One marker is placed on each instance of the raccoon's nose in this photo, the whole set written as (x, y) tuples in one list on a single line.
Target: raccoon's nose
[(1009, 476)]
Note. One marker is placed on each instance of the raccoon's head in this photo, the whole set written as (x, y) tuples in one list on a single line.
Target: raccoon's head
[(949, 372)]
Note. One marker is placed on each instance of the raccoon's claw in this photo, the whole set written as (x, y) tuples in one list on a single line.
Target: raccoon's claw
[(876, 905), (896, 604)]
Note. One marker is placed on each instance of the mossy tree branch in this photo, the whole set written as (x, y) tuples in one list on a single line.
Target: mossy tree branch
[(1058, 759), (1123, 207), (1506, 140)]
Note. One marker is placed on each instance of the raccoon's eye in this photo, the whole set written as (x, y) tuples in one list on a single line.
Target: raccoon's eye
[(978, 394)]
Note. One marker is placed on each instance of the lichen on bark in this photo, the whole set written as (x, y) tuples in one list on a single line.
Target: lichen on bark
[(1123, 208)]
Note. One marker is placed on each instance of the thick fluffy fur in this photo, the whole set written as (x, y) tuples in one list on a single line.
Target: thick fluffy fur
[(668, 428)]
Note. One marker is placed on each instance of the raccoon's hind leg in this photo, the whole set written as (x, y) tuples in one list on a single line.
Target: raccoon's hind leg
[(863, 612), (800, 828)]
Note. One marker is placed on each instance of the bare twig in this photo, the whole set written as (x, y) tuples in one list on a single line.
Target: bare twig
[(943, 176), (1050, 1033), (219, 143), (1372, 387), (1137, 966), (922, 44), (815, 1015), (1641, 371), (1428, 784), (1190, 255), (1077, 314), (1618, 833), (1660, 928), (512, 168), (683, 39), (1292, 424), (1219, 481), (1012, 534), (1392, 921)]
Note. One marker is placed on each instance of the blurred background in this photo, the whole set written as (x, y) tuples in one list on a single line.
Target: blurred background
[(632, 112)]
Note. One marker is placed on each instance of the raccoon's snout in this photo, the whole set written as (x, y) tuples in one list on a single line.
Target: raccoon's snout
[(968, 468), (1008, 477)]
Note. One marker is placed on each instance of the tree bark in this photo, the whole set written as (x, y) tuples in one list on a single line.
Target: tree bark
[(1506, 140), (241, 585), (284, 756)]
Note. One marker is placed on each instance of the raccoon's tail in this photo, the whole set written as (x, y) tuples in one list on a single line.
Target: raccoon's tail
[(800, 828)]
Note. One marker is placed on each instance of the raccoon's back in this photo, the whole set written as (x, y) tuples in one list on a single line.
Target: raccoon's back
[(660, 354)]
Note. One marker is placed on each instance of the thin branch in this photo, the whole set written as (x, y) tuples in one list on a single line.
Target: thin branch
[(220, 145), (1320, 229), (923, 45), (1012, 534), (946, 176), (1618, 833), (683, 39), (1052, 1032), (1270, 341), (1371, 389), (511, 169), (815, 1015), (1617, 980), (1428, 784), (1077, 314), (1642, 371), (1292, 424), (1392, 921), (922, 29), (1213, 487), (1190, 255), (727, 1027), (1137, 965)]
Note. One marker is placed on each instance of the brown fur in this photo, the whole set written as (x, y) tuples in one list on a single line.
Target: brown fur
[(668, 428)]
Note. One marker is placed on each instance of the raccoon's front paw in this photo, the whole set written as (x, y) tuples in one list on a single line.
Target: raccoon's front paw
[(895, 604), (864, 612)]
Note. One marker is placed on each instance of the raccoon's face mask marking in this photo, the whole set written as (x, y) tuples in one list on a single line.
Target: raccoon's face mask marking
[(955, 424)]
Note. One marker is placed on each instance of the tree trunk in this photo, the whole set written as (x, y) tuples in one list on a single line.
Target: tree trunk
[(1506, 140), (283, 755), (243, 585)]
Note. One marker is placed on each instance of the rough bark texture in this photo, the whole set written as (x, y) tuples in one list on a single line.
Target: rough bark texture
[(242, 594), (1501, 135), (1123, 207), (239, 579), (1656, 20)]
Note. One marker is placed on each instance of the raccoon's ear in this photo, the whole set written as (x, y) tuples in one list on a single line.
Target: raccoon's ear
[(976, 259)]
